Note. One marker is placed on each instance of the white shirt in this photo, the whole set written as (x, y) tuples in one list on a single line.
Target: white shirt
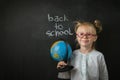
[(90, 66)]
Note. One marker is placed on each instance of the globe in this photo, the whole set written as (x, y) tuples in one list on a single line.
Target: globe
[(60, 50)]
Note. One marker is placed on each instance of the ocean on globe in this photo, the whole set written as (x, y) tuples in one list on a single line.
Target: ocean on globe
[(60, 50)]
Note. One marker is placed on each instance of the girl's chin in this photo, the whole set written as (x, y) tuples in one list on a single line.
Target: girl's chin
[(84, 45)]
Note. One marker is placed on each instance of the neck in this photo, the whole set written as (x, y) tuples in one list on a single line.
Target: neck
[(86, 50)]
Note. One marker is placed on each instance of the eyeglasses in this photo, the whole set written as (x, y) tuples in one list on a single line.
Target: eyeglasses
[(88, 35)]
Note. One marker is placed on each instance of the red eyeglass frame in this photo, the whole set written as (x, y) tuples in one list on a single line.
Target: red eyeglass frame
[(89, 35)]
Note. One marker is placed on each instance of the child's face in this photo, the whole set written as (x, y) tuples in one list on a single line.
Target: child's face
[(86, 35)]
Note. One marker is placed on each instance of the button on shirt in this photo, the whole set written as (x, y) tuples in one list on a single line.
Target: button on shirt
[(84, 67)]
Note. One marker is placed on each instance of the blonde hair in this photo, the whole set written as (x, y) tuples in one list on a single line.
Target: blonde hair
[(96, 25)]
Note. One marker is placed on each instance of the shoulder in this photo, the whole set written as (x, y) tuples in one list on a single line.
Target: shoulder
[(97, 53), (76, 51)]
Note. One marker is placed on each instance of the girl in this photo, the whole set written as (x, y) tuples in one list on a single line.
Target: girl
[(89, 64)]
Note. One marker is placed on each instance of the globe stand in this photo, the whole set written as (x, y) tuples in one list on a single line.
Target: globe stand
[(65, 68)]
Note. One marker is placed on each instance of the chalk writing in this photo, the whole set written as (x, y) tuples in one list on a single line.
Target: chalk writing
[(59, 29), (59, 33), (57, 18)]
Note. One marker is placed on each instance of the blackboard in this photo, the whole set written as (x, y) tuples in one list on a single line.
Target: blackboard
[(28, 28)]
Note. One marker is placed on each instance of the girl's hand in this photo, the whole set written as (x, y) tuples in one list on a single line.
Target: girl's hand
[(61, 64)]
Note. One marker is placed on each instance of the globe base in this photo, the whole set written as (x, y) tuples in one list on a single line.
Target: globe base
[(65, 68)]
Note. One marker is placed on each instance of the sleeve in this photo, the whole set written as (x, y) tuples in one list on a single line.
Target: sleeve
[(103, 72), (64, 75)]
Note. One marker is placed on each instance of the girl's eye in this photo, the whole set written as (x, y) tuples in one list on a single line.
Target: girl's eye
[(89, 34), (81, 34)]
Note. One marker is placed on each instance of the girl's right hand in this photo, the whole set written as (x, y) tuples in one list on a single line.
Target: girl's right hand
[(61, 64)]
